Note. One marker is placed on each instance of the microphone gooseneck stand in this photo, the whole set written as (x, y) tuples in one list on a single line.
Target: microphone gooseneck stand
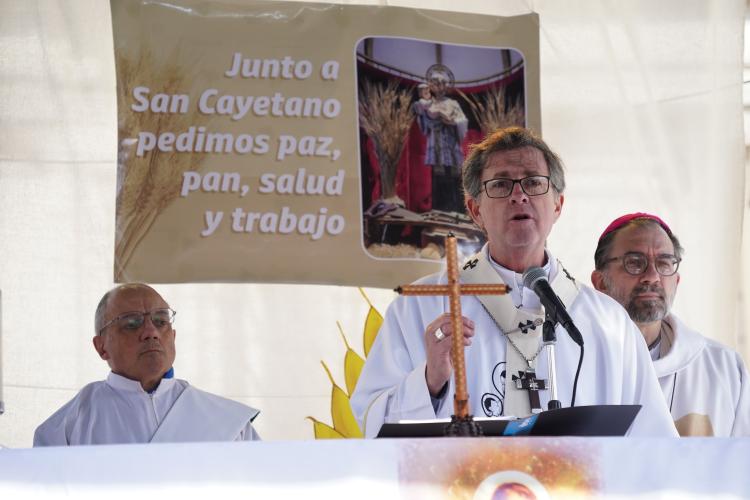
[(535, 278), (549, 338)]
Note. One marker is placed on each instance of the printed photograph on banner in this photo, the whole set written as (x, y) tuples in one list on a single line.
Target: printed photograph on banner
[(421, 106)]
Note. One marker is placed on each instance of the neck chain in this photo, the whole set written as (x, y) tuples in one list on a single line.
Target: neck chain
[(519, 287), (656, 342), (537, 322), (663, 337)]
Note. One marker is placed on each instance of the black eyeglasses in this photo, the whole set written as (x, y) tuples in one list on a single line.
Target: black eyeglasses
[(533, 185), (133, 321), (636, 263)]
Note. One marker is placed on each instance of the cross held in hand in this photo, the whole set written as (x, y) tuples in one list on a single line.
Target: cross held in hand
[(453, 289)]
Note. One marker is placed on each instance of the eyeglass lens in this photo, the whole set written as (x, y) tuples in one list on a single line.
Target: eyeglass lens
[(637, 263), (160, 318), (533, 186)]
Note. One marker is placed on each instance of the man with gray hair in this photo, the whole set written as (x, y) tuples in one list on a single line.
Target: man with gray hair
[(513, 186), (141, 401), (706, 384)]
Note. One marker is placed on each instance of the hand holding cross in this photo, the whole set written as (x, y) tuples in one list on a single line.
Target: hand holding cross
[(438, 346), (454, 290)]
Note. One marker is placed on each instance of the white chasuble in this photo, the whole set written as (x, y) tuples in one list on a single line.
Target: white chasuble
[(705, 384), (521, 328), (616, 368)]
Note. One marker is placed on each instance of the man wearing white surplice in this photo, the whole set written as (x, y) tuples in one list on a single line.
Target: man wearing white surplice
[(514, 185), (141, 401), (704, 382)]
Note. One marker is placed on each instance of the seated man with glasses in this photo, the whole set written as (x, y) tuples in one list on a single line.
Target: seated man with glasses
[(706, 384), (513, 185), (141, 401)]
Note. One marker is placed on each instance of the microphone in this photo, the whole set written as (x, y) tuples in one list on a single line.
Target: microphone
[(536, 279)]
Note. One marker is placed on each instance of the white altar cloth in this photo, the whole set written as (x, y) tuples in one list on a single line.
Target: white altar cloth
[(382, 469)]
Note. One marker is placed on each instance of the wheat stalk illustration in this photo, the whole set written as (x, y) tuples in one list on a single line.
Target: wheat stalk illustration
[(385, 115), (491, 111), (146, 185)]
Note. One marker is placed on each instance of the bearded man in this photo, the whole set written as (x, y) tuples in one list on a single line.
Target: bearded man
[(705, 384)]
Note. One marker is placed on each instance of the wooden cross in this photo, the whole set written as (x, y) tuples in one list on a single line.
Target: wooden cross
[(527, 380), (454, 290)]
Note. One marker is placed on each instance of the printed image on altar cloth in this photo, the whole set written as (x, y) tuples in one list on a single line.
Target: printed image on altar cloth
[(484, 469), (421, 106)]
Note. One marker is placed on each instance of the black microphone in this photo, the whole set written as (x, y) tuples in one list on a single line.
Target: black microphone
[(536, 279)]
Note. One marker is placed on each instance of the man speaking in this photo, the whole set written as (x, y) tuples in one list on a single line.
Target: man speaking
[(513, 187)]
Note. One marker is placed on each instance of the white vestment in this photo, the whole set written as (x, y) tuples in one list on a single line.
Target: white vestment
[(706, 384), (118, 410), (616, 367)]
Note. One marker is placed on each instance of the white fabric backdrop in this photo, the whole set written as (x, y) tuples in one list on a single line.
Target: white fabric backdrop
[(643, 100)]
